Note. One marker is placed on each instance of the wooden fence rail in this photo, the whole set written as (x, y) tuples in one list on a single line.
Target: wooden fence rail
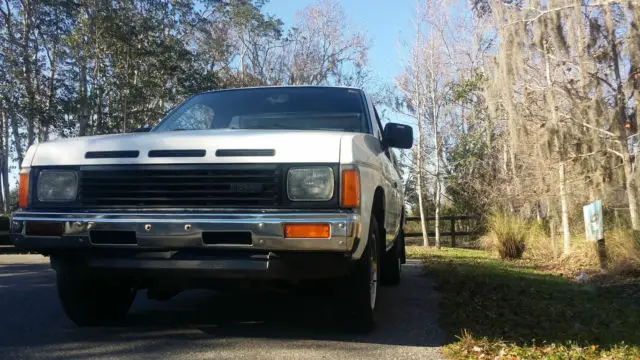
[(452, 226)]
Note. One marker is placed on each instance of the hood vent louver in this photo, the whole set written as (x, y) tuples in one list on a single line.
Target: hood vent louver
[(120, 154), (177, 153), (245, 152)]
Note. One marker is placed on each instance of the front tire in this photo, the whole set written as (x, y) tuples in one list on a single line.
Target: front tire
[(360, 288), (89, 300)]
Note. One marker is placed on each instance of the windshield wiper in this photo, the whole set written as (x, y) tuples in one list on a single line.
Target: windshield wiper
[(274, 126)]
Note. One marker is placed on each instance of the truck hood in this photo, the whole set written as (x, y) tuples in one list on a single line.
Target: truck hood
[(289, 146)]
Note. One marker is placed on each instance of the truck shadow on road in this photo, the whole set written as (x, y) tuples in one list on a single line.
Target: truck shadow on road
[(407, 315), (34, 320)]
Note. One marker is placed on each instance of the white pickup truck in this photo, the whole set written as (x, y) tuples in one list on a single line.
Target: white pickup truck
[(286, 185)]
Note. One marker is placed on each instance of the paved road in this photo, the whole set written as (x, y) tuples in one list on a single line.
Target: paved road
[(206, 325)]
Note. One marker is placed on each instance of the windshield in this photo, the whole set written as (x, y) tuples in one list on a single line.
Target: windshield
[(305, 108)]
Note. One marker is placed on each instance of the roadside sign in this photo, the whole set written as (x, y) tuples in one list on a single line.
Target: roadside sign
[(593, 223)]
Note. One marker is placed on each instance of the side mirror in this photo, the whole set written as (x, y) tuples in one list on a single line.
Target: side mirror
[(398, 136)]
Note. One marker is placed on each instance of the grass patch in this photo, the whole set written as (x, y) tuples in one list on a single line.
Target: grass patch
[(509, 310), (623, 253)]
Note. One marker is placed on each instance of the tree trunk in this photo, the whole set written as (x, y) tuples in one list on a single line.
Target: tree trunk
[(552, 231), (566, 235), (585, 104), (27, 71), (621, 120), (127, 93), (559, 137), (437, 214), (435, 114), (423, 224), (416, 97), (592, 193), (505, 171), (37, 76), (4, 164), (632, 196), (83, 118), (634, 52), (17, 141), (51, 93), (437, 176)]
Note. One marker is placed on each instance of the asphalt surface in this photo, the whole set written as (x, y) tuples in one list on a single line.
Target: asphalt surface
[(209, 325)]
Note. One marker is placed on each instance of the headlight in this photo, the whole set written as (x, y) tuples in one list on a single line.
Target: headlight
[(310, 184), (57, 185)]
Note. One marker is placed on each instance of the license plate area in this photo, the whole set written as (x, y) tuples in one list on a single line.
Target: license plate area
[(227, 238), (109, 237)]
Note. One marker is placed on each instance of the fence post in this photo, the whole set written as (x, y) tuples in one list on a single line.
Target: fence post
[(453, 232), (602, 255)]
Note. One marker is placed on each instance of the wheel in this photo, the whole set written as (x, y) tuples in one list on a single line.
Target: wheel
[(89, 300), (359, 289)]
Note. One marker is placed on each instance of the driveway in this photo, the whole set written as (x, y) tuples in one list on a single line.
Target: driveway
[(208, 325)]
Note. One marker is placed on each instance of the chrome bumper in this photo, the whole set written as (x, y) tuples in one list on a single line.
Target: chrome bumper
[(184, 230)]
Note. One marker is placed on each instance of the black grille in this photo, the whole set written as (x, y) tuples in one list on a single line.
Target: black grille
[(172, 186)]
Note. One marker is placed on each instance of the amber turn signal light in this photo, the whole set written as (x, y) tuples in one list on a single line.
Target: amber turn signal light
[(23, 190), (350, 188), (307, 231)]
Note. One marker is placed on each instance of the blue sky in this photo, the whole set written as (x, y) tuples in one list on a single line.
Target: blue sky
[(386, 23)]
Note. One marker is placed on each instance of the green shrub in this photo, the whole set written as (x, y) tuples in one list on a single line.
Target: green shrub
[(507, 235), (538, 244)]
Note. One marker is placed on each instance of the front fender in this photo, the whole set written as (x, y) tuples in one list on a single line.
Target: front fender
[(361, 151)]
